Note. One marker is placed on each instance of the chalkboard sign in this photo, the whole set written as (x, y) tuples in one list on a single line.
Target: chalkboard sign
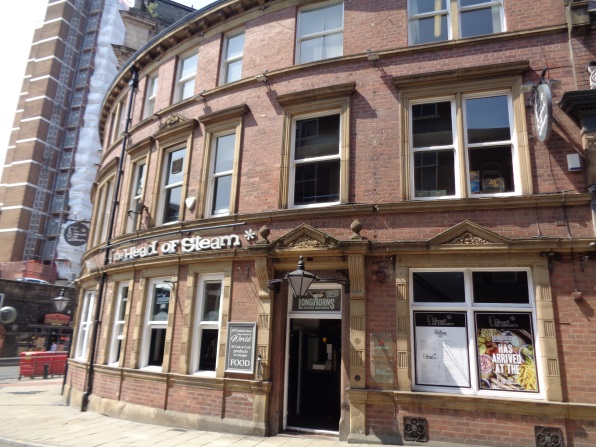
[(240, 354)]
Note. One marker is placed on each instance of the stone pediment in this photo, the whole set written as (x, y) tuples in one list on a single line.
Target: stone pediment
[(468, 234), (306, 237)]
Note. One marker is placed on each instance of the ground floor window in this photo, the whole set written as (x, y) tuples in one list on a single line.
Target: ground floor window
[(156, 323), (473, 331), (207, 323)]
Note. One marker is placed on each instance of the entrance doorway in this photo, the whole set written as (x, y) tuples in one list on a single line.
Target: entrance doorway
[(313, 376)]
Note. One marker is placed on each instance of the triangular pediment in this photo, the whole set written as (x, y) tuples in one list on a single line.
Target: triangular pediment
[(307, 237), (466, 234)]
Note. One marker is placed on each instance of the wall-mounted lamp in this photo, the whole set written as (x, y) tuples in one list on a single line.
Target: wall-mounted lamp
[(380, 275), (373, 57), (60, 302), (300, 280), (262, 77)]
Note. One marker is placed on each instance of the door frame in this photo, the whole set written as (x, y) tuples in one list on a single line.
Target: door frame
[(305, 315)]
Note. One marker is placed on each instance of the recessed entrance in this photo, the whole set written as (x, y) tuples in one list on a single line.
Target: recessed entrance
[(313, 379)]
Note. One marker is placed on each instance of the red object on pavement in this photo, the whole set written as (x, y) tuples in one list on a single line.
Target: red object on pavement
[(35, 363)]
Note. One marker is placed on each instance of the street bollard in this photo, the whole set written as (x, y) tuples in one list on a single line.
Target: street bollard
[(46, 370)]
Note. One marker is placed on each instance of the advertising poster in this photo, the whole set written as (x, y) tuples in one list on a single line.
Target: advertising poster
[(441, 349), (240, 353), (506, 357)]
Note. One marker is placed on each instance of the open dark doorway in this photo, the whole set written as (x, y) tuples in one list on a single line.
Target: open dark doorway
[(314, 380)]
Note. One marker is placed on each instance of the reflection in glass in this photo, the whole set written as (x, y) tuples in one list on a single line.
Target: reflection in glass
[(439, 287)]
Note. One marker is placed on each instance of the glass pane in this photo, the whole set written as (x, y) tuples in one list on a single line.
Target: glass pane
[(188, 67), (466, 3), (211, 300), (224, 153), (208, 354), (123, 300), (434, 173), (321, 19), (175, 171), (480, 22), (138, 188), (426, 6), (430, 29), (161, 303), (487, 119), (333, 45), (172, 204), (311, 50), (491, 170), (439, 287), (222, 191), (234, 71), (432, 124), (235, 46), (317, 137), (187, 89), (501, 287), (317, 183), (156, 347)]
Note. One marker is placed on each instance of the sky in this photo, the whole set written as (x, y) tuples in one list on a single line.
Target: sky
[(17, 23)]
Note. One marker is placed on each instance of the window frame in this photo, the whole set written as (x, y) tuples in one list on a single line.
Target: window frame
[(301, 38), (181, 81), (453, 12), (329, 101), (200, 325), (150, 94), (494, 80), (85, 325), (226, 60), (471, 309), (104, 197), (165, 188), (134, 208), (151, 325), (117, 339)]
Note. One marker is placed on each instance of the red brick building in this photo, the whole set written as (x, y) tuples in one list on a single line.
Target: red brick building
[(419, 157)]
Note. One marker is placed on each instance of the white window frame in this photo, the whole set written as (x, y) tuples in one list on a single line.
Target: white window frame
[(215, 176), (200, 325), (461, 147), (295, 163), (102, 218), (165, 188), (322, 34), (118, 338), (227, 60), (181, 80), (453, 12), (151, 325), (470, 308), (135, 202), (151, 95), (85, 325)]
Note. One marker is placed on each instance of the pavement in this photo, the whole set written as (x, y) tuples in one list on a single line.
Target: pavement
[(32, 414)]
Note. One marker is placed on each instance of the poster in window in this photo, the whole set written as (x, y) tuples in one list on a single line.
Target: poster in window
[(441, 349), (506, 355)]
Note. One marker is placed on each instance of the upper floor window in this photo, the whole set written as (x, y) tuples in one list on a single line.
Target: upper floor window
[(135, 205), (207, 323), (171, 186), (320, 32), (103, 211), (439, 20), (485, 155), (85, 323), (185, 77), (117, 121), (118, 329), (150, 95), (232, 58), (316, 160), (156, 323), (220, 182), (473, 332)]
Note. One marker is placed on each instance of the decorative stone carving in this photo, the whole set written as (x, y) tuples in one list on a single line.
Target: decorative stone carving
[(356, 227), (468, 239), (264, 232), (305, 241), (173, 120)]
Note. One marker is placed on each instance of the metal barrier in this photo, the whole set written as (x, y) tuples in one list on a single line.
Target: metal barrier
[(9, 368), (42, 364)]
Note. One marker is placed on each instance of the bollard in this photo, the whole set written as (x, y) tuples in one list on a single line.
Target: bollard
[(46, 370)]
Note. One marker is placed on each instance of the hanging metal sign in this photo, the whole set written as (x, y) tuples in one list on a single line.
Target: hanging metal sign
[(543, 112), (76, 234)]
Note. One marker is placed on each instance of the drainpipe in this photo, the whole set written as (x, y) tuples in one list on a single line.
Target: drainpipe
[(133, 84)]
